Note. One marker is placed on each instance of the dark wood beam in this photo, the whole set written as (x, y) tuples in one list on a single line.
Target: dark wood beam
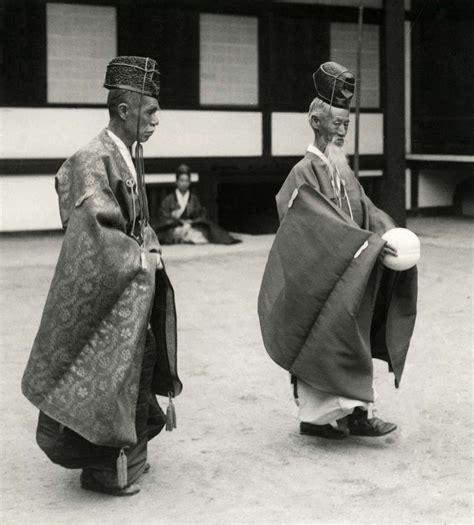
[(393, 30), (265, 68)]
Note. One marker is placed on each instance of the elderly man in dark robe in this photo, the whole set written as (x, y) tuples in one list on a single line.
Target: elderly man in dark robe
[(107, 339), (327, 305), (182, 218)]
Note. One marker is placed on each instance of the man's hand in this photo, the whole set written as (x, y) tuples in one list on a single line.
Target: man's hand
[(388, 249), (176, 214)]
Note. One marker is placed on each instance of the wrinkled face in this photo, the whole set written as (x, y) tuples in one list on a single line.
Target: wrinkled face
[(333, 127), (183, 182), (148, 119)]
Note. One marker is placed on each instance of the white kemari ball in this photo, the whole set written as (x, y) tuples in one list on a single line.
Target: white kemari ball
[(407, 245)]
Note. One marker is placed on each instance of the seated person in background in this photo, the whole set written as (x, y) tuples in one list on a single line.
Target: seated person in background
[(182, 219)]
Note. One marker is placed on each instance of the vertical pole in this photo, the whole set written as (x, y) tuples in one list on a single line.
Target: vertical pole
[(358, 89), (393, 190), (265, 59)]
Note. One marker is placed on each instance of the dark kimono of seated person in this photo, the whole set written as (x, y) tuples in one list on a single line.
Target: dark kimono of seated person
[(182, 219)]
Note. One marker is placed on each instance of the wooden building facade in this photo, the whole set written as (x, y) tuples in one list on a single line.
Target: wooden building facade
[(235, 88)]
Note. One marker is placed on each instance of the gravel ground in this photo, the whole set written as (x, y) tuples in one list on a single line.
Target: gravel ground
[(237, 456)]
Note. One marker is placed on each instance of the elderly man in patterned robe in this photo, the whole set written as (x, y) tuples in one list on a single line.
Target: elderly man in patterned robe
[(107, 339)]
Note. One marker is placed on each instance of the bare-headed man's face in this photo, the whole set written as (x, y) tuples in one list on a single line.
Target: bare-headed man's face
[(183, 182)]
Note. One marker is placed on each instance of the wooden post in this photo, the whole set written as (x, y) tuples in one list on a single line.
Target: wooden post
[(393, 191), (358, 89), (265, 65)]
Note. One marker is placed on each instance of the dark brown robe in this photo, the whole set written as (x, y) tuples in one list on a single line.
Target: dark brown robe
[(193, 212), (327, 305)]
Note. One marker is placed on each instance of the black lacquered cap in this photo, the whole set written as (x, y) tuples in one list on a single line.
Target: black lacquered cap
[(334, 84), (137, 74)]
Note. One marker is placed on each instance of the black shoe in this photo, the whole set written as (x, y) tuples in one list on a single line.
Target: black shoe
[(89, 483), (361, 425), (324, 431)]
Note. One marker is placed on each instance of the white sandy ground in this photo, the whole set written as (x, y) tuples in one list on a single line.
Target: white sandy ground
[(237, 456)]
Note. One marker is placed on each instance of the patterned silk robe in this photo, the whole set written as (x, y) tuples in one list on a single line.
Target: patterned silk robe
[(87, 359)]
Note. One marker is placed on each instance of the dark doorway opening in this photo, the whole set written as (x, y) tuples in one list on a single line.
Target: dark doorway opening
[(248, 207)]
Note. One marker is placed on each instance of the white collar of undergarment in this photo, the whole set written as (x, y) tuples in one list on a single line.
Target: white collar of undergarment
[(313, 149), (182, 200), (125, 153)]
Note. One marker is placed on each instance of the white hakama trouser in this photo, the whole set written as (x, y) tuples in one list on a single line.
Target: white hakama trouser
[(321, 408)]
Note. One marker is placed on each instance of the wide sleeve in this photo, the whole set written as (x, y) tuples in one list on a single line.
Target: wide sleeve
[(96, 313), (195, 211), (165, 217), (167, 206), (284, 195)]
